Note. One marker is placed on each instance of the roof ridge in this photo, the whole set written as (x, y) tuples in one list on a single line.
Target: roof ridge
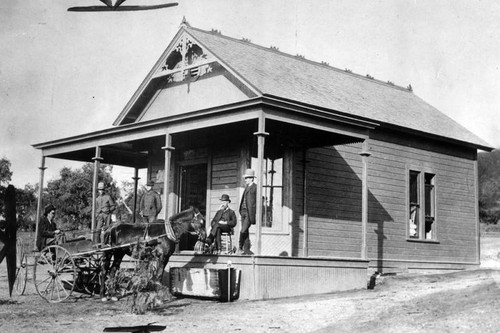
[(299, 57)]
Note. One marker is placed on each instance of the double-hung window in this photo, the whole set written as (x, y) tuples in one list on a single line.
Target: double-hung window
[(421, 205), (272, 193)]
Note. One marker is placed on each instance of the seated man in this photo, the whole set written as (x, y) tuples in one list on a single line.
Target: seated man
[(223, 221), (47, 230)]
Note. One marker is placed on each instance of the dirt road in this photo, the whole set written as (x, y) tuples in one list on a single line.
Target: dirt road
[(454, 302)]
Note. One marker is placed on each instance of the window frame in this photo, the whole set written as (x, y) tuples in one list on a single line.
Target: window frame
[(282, 227), (422, 204)]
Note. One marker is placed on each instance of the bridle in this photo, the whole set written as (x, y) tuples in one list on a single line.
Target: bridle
[(196, 217)]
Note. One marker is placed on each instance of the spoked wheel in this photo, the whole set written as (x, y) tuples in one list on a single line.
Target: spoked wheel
[(21, 268), (89, 271), (54, 274)]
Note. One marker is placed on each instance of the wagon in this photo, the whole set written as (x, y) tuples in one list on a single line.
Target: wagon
[(60, 269)]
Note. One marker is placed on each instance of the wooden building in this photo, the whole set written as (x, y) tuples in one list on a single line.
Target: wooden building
[(355, 175)]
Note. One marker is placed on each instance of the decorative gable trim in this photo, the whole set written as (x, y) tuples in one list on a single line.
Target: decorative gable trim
[(185, 59)]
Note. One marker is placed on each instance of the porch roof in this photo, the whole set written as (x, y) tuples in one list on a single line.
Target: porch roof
[(128, 145)]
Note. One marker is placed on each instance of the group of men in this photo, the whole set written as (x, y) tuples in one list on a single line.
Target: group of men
[(225, 218), (105, 206), (149, 207)]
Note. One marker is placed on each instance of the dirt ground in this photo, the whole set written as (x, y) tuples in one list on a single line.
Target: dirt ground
[(454, 302)]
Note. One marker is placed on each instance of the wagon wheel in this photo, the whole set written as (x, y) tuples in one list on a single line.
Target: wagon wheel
[(54, 274), (21, 268), (89, 270)]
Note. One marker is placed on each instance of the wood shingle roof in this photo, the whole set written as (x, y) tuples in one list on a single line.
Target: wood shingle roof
[(273, 73)]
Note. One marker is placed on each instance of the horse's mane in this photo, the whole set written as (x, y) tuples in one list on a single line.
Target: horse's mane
[(183, 222), (186, 214)]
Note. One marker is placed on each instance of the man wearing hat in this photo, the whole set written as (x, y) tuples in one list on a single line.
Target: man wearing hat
[(47, 229), (248, 210), (223, 221), (150, 204), (104, 207)]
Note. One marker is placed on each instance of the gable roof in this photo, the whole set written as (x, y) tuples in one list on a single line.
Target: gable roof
[(272, 73)]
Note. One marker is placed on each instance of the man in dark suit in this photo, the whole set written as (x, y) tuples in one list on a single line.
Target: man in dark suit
[(150, 204), (223, 221), (248, 207)]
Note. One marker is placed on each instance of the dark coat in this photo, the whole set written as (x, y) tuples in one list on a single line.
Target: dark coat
[(250, 198), (45, 230), (104, 204), (227, 215), (150, 204)]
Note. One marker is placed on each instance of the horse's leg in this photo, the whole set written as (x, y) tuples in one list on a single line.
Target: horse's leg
[(117, 261), (105, 264), (118, 255), (168, 248)]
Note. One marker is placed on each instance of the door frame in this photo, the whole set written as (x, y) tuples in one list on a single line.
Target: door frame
[(199, 161)]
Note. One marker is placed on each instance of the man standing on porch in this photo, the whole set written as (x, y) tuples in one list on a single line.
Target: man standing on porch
[(104, 206), (150, 204), (247, 211)]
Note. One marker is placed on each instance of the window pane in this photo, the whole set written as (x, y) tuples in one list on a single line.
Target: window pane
[(429, 206), (414, 187), (414, 213), (272, 196)]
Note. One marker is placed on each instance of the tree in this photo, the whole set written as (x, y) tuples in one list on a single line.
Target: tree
[(5, 178), (489, 186), (71, 194), (125, 205), (26, 204), (25, 198), (5, 173)]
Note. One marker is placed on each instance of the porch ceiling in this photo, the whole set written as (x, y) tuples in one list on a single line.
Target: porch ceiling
[(129, 154), (287, 125), (281, 135), (291, 135)]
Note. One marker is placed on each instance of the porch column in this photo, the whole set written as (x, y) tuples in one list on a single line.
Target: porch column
[(97, 163), (365, 153), (136, 181), (166, 175), (305, 247), (261, 137), (40, 202)]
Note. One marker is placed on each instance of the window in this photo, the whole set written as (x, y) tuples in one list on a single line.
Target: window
[(422, 205), (272, 192)]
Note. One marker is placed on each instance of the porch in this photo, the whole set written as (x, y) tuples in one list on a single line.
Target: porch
[(196, 157), (268, 277)]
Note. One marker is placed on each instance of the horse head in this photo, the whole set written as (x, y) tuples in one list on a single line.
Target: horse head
[(189, 220)]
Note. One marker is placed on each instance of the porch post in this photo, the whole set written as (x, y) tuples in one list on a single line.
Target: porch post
[(40, 193), (261, 137), (305, 247), (97, 163), (136, 182), (166, 175), (365, 153)]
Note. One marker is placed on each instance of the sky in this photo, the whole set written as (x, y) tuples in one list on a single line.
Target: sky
[(68, 73)]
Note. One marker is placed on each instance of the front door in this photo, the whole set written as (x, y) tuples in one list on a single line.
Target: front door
[(193, 187), (193, 192)]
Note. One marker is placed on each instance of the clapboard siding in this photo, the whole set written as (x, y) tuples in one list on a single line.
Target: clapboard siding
[(455, 196), (334, 201), (224, 178)]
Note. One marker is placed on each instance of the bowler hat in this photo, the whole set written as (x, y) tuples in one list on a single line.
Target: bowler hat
[(249, 173), (150, 183), (225, 197), (49, 208), (100, 186)]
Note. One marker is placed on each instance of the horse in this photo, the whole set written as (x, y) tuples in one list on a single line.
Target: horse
[(156, 235)]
